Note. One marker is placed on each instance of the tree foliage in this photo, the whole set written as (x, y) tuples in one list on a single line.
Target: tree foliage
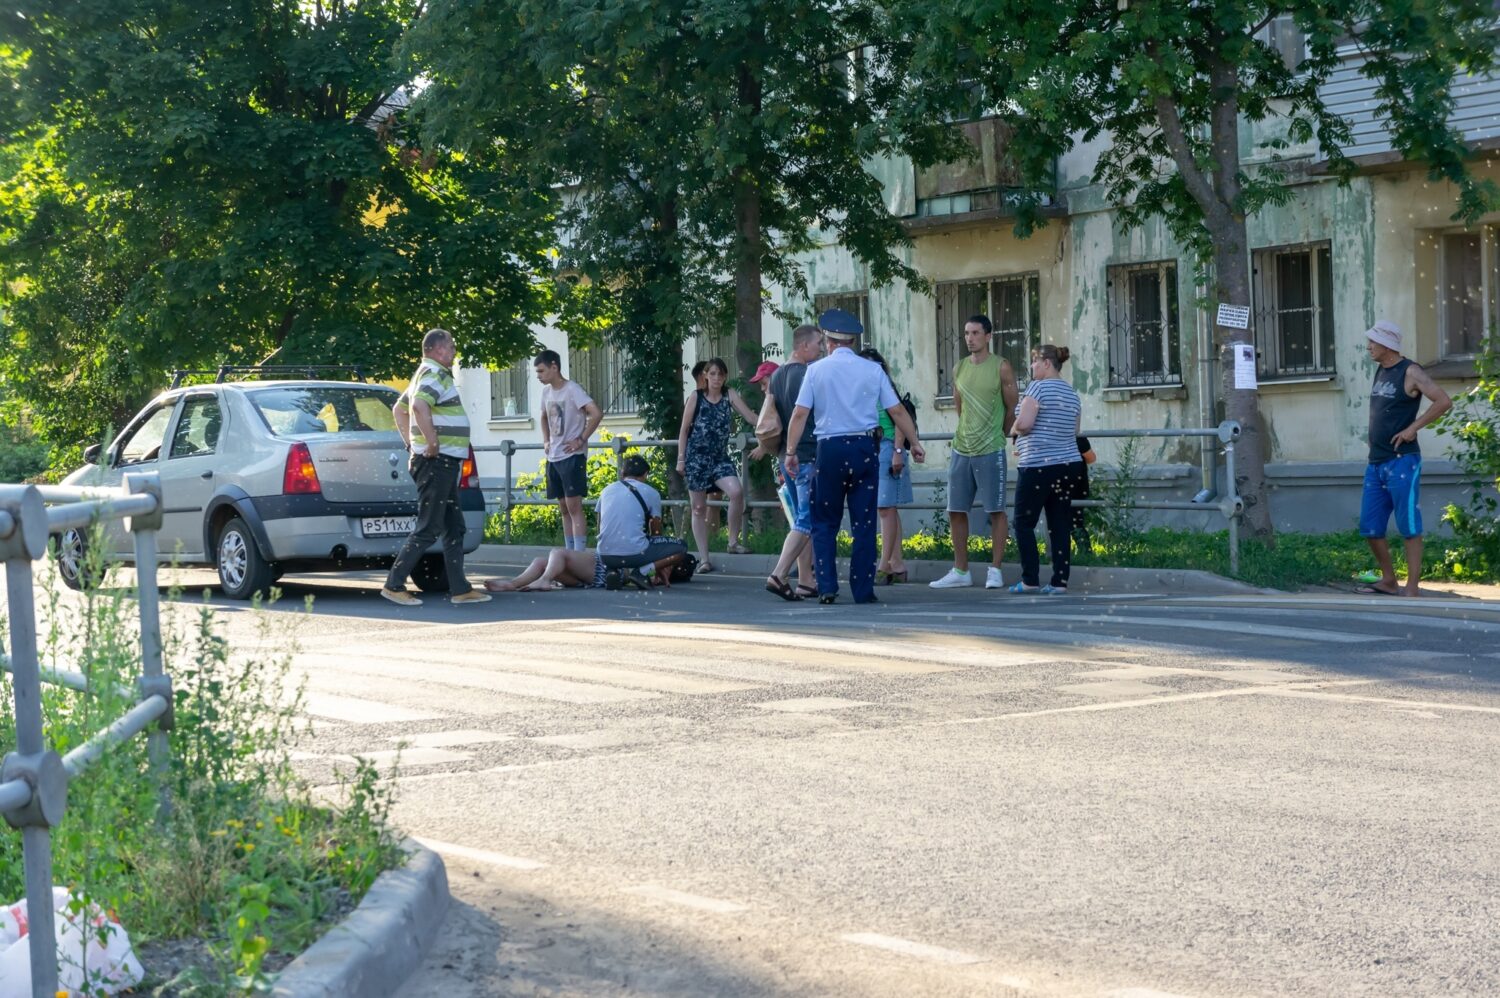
[(1168, 85), (656, 117), (193, 184)]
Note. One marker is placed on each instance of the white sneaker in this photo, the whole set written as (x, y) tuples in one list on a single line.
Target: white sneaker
[(992, 579), (953, 580)]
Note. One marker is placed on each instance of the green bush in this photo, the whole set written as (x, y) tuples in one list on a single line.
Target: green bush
[(1474, 424), (543, 524), (22, 456)]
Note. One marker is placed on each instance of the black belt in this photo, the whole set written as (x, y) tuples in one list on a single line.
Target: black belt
[(863, 433)]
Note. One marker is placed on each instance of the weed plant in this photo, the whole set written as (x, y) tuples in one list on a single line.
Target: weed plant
[(244, 860)]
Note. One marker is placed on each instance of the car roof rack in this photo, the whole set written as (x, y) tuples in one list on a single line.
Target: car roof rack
[(310, 371)]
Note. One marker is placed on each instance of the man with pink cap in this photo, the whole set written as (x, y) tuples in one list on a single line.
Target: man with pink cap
[(1394, 474)]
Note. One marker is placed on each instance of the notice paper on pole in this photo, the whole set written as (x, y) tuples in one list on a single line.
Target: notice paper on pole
[(1244, 365), (1234, 316)]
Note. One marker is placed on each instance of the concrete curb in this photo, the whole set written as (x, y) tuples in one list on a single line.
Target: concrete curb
[(371, 953), (1085, 579)]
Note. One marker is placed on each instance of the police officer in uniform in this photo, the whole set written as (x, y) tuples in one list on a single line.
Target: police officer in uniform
[(847, 393)]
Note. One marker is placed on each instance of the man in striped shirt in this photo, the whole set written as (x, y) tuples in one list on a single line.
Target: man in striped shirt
[(431, 419)]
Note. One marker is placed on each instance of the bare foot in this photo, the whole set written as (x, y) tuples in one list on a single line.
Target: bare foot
[(542, 587), (500, 586)]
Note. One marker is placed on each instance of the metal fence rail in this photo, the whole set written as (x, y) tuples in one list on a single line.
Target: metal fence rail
[(1230, 506), (34, 779)]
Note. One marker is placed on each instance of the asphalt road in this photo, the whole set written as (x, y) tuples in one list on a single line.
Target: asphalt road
[(710, 792)]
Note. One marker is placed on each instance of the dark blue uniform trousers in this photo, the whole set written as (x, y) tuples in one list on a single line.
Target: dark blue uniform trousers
[(847, 469)]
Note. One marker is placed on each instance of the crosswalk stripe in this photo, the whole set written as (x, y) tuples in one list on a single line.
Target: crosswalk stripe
[(356, 711), (517, 684), (715, 905), (761, 666), (907, 947), (1449, 624), (405, 691), (481, 855), (910, 657), (1251, 629)]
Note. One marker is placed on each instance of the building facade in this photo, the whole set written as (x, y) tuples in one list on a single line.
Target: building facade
[(1127, 304)]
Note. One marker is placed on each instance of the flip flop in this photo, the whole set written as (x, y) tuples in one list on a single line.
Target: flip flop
[(1373, 591), (705, 569)]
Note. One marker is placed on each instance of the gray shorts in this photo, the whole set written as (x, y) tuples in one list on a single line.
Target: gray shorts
[(980, 478)]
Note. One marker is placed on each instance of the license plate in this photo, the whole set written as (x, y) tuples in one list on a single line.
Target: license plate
[(387, 526)]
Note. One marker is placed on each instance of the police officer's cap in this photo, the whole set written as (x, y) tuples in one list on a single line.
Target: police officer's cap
[(839, 324)]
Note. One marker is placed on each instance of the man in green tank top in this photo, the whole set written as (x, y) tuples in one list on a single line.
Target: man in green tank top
[(984, 390)]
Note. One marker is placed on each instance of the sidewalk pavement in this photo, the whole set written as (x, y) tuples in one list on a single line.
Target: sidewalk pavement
[(1085, 579)]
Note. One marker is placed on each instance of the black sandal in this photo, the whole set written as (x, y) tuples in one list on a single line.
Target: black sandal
[(807, 592), (781, 588)]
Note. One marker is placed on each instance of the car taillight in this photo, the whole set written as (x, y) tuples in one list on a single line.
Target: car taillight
[(468, 473), (300, 477)]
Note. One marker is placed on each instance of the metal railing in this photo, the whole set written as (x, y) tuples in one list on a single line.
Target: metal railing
[(1230, 506), (34, 779)]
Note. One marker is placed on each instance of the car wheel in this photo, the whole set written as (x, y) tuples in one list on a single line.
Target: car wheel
[(243, 573), (431, 575), (71, 548)]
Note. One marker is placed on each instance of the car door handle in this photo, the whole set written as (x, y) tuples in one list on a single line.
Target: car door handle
[(206, 475)]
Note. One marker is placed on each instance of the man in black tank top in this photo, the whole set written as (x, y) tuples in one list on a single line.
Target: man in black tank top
[(1393, 477)]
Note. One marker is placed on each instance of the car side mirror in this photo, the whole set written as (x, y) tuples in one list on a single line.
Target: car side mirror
[(91, 453)]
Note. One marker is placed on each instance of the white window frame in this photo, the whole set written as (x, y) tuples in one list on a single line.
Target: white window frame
[(1264, 295), (1121, 318), (1489, 261)]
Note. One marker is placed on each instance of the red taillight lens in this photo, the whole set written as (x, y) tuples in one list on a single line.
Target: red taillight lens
[(468, 473), (300, 477)]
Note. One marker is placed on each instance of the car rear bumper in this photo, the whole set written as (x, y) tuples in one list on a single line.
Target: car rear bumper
[(310, 528)]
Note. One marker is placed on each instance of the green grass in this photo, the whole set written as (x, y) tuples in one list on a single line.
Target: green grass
[(1295, 561)]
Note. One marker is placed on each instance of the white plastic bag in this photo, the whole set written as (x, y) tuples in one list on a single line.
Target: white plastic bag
[(94, 955)]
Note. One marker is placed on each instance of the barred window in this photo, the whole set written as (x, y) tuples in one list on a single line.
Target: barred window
[(1292, 287), (508, 387), (600, 370), (1013, 304), (1143, 325), (856, 303)]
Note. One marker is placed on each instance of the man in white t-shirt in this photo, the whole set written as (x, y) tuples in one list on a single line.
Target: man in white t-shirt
[(629, 513), (569, 418)]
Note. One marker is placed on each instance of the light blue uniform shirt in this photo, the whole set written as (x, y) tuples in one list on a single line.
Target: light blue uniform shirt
[(847, 392)]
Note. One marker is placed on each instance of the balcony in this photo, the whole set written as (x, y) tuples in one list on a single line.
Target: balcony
[(988, 186)]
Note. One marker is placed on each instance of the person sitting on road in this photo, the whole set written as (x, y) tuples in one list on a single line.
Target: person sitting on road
[(630, 524), (628, 511)]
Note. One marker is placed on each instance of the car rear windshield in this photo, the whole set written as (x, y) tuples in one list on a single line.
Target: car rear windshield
[(301, 409)]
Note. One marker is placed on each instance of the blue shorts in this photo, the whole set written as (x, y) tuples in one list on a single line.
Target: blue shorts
[(1392, 487), (796, 496)]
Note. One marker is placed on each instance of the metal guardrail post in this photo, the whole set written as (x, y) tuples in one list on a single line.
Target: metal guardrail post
[(32, 762), (153, 681), (508, 448), (1229, 432)]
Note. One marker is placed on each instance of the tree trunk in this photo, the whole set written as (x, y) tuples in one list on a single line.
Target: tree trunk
[(749, 240), (749, 249), (1217, 192), (1232, 282), (1232, 279)]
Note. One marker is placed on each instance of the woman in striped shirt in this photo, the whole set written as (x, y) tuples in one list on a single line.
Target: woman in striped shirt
[(1046, 429)]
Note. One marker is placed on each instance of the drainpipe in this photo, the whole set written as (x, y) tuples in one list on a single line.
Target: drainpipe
[(1207, 393)]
